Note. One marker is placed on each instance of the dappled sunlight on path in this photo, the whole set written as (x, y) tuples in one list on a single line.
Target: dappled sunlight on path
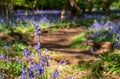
[(59, 41)]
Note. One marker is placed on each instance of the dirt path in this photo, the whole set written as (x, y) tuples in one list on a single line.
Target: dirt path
[(60, 41)]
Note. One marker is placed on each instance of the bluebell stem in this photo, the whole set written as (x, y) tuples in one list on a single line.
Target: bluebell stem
[(38, 32), (55, 74)]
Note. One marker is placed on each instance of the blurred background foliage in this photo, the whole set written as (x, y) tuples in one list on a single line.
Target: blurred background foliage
[(83, 6)]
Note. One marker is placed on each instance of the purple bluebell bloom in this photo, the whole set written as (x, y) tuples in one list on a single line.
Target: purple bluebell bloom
[(23, 75), (48, 57), (55, 74), (37, 30), (39, 68), (43, 62), (37, 47), (26, 53), (1, 56), (32, 56), (48, 64), (92, 50), (36, 66), (41, 71), (30, 73), (62, 61), (115, 44), (6, 46)]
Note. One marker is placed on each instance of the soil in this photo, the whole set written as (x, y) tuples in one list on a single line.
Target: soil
[(59, 41)]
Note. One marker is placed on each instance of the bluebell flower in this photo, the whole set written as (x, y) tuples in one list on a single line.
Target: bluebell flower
[(23, 75), (92, 50), (48, 57), (1, 56), (30, 73), (41, 70), (62, 61), (26, 53), (47, 50), (115, 44), (37, 47), (43, 63), (32, 56), (48, 64), (37, 30), (6, 46), (36, 66), (55, 74)]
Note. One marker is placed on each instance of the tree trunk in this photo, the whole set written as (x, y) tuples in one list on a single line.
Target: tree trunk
[(9, 9), (74, 8), (90, 6), (63, 12), (34, 5), (106, 6)]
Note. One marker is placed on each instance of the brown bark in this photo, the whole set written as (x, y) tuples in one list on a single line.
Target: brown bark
[(74, 8), (74, 4), (90, 6), (63, 14), (9, 9)]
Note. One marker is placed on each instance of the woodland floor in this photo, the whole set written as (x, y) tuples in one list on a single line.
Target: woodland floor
[(59, 41)]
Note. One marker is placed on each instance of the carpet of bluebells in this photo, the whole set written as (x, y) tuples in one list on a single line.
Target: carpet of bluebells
[(34, 64), (106, 31)]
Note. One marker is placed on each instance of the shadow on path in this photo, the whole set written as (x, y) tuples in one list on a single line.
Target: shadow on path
[(59, 41)]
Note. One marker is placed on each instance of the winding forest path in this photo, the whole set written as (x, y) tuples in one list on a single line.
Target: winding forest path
[(59, 41)]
